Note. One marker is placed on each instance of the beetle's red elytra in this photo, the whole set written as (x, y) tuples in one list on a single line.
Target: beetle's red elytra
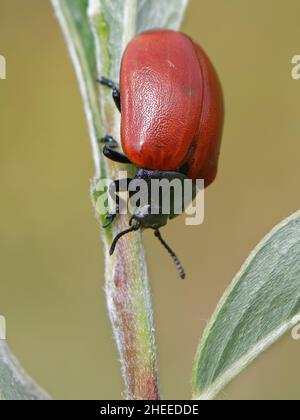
[(172, 105), (172, 113)]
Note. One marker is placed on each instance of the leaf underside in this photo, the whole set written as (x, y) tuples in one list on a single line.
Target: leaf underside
[(15, 384), (260, 306)]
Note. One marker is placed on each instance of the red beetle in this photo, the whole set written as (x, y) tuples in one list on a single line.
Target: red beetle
[(172, 113)]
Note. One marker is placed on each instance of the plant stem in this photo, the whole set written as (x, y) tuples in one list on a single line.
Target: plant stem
[(129, 307), (126, 278), (127, 286)]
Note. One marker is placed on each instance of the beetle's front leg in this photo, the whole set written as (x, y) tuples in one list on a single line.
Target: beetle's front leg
[(115, 90), (111, 217), (120, 185)]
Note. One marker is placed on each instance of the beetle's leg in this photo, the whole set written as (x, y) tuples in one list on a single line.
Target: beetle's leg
[(110, 218), (115, 90), (184, 169), (116, 187), (106, 82), (115, 156), (109, 141), (117, 98)]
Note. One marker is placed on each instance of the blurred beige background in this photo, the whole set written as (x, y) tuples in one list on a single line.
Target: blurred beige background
[(51, 266)]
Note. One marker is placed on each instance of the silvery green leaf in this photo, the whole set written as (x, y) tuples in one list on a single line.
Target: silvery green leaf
[(15, 384), (72, 15), (160, 14), (116, 22), (260, 306)]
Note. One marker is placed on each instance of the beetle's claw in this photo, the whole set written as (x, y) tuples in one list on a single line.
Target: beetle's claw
[(110, 218), (110, 141)]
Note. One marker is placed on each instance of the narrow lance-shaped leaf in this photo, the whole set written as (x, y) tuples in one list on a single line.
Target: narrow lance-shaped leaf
[(72, 15), (160, 14), (15, 384), (260, 306)]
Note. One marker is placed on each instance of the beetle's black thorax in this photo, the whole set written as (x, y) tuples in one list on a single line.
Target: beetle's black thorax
[(162, 196)]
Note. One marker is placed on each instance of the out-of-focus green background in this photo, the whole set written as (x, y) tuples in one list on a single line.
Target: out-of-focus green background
[(51, 266)]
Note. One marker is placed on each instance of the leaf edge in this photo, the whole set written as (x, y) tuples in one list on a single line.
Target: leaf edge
[(211, 392)]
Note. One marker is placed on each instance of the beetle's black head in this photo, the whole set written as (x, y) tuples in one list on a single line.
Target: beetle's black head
[(142, 219), (149, 213), (158, 201), (149, 218)]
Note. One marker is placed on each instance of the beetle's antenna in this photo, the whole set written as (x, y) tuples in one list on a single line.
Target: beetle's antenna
[(172, 253), (120, 235)]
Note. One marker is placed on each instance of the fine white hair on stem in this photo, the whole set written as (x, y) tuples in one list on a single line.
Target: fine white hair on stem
[(108, 27)]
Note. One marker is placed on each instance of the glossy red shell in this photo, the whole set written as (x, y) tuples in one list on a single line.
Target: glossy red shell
[(172, 105)]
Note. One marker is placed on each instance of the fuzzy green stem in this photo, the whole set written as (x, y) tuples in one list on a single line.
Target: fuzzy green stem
[(126, 278), (97, 32)]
